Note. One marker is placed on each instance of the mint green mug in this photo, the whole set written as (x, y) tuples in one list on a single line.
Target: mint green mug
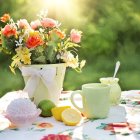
[(95, 100)]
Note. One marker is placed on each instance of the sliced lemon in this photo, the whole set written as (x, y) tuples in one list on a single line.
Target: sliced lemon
[(57, 111), (71, 117)]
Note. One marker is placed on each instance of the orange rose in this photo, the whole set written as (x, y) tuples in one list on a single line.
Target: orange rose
[(34, 41), (9, 30), (60, 33), (5, 18)]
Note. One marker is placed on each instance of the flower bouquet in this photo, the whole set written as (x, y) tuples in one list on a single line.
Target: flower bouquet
[(40, 42), (42, 51)]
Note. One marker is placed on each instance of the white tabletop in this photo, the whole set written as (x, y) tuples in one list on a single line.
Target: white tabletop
[(123, 123)]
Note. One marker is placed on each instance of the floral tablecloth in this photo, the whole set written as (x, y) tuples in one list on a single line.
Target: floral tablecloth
[(123, 123)]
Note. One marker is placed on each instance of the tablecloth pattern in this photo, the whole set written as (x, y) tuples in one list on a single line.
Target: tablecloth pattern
[(123, 122)]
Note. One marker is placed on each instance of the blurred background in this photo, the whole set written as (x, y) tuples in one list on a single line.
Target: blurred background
[(111, 32)]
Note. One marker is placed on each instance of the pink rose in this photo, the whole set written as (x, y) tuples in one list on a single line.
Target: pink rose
[(75, 36), (35, 24), (23, 23), (48, 22)]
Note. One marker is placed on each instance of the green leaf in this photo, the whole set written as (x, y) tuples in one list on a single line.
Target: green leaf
[(125, 134), (54, 37), (0, 49), (40, 49), (50, 53), (71, 45), (38, 55), (40, 59), (8, 44), (15, 129)]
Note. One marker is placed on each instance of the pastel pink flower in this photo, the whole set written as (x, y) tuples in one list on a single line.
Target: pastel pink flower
[(23, 23), (75, 36), (48, 22), (35, 24)]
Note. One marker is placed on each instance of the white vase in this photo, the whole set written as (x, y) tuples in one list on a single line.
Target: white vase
[(44, 81)]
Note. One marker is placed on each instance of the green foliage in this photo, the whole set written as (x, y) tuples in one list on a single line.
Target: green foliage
[(113, 28), (9, 82), (51, 49), (111, 32), (38, 56), (7, 45)]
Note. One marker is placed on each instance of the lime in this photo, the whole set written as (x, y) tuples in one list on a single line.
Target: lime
[(71, 117), (57, 111), (46, 106)]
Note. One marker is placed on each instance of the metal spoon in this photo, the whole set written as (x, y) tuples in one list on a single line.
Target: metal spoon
[(116, 68)]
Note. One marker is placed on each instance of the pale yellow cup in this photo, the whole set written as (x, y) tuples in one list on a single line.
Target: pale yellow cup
[(95, 100), (115, 90)]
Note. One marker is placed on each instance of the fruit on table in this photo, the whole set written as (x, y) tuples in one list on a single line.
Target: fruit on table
[(71, 117), (46, 106), (57, 111)]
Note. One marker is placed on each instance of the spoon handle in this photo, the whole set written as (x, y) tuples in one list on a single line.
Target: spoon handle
[(116, 68)]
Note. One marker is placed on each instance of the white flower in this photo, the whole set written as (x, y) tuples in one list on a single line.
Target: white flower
[(19, 43), (70, 60), (41, 30)]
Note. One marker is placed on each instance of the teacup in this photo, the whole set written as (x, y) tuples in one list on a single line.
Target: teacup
[(95, 100)]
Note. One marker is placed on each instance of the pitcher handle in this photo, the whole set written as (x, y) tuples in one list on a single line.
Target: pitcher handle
[(73, 102)]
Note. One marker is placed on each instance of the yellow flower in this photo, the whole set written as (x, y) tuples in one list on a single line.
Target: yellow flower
[(23, 55), (12, 69), (25, 50), (26, 59), (22, 51), (16, 61)]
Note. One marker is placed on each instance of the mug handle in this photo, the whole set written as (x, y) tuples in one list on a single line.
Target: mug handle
[(72, 99)]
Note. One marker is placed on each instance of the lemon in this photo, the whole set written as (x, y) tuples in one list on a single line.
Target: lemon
[(57, 111), (71, 117), (46, 106)]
